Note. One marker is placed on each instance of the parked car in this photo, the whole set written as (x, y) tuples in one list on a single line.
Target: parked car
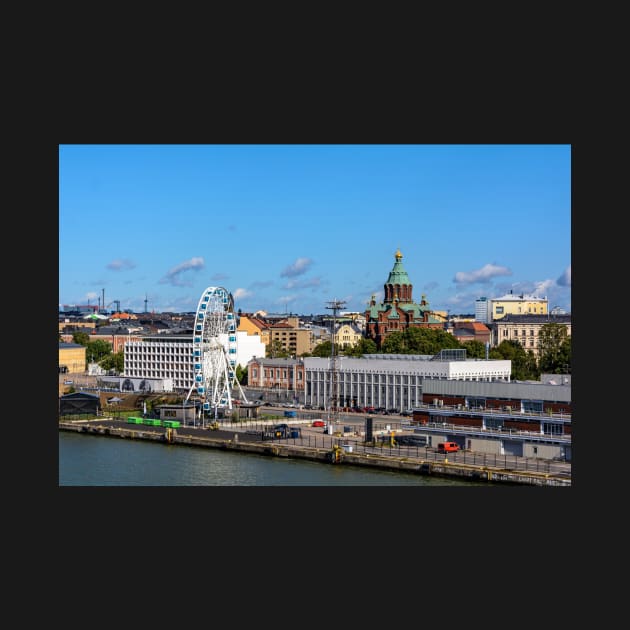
[(318, 423), (448, 447)]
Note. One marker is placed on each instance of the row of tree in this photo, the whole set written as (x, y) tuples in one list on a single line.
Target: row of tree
[(554, 357)]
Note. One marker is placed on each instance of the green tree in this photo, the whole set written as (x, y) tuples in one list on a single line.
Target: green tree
[(80, 337), (363, 346), (418, 341), (564, 357), (394, 343), (97, 350), (323, 349), (475, 349), (275, 350), (523, 361), (114, 361), (241, 374), (553, 349)]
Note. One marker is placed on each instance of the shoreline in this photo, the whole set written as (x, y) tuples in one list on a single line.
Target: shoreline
[(235, 441)]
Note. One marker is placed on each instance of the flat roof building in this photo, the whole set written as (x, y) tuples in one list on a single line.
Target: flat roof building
[(392, 381)]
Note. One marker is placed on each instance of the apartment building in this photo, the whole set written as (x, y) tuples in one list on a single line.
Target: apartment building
[(525, 329)]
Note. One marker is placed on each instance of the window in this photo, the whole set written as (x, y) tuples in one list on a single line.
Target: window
[(476, 403), (552, 428), (490, 422), (535, 406)]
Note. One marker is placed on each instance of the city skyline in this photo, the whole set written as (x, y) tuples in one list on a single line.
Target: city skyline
[(288, 228)]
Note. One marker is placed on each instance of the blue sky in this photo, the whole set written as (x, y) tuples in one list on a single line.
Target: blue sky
[(290, 228)]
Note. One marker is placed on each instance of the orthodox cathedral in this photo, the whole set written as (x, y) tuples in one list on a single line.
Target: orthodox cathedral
[(398, 311)]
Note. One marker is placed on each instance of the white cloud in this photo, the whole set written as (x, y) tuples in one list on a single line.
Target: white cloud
[(121, 264), (172, 276), (299, 267), (483, 275), (542, 287), (565, 279), (241, 294)]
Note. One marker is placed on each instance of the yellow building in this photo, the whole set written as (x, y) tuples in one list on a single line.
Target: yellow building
[(72, 358), (254, 326), (511, 304), (347, 335)]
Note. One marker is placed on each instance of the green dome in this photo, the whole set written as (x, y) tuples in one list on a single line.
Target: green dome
[(398, 275)]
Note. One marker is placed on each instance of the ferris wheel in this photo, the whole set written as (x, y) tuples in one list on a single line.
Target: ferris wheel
[(214, 350)]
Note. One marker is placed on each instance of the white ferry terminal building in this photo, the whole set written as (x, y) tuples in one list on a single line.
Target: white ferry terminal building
[(392, 380)]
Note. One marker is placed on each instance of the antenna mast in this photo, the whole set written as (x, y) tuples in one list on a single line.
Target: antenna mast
[(334, 306)]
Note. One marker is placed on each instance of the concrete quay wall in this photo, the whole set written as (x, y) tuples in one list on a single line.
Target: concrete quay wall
[(278, 449)]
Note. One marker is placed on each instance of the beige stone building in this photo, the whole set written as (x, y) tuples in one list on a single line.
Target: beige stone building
[(347, 335), (525, 329), (293, 339)]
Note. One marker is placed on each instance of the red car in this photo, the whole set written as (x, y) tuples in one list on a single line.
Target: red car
[(319, 423), (448, 447)]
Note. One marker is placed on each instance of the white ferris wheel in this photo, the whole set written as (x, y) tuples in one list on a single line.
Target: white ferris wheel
[(214, 351)]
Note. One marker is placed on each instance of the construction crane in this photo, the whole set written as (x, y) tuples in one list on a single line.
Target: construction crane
[(117, 303)]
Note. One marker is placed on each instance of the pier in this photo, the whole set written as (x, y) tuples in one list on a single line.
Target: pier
[(337, 455)]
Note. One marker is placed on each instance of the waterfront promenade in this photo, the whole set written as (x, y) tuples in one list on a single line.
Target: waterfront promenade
[(331, 450)]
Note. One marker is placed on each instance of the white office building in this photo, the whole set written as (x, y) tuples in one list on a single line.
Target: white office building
[(392, 381), (171, 356), (482, 310)]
